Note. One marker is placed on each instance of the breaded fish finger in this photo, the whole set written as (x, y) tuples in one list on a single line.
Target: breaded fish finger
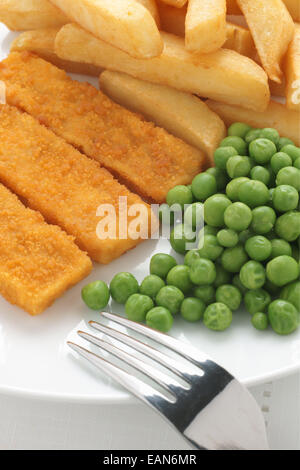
[(64, 185), (38, 262), (146, 158)]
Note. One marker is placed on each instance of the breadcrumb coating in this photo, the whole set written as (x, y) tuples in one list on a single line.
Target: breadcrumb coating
[(145, 157), (38, 262), (64, 185)]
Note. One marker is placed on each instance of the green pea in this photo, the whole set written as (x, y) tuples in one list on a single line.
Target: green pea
[(253, 275), (237, 283), (239, 129), (288, 226), (179, 276), (227, 238), (235, 142), (137, 306), (259, 248), (270, 134), (285, 198), (254, 193), (181, 236), (234, 258), (96, 295), (244, 236), (217, 317), (220, 177), (280, 247), (222, 277), (257, 300), (232, 189), (238, 216), (214, 208), (190, 188), (122, 286), (260, 321), (204, 185), (192, 309), (262, 150), (151, 285), (297, 163), (190, 257), (229, 295), (292, 151), (283, 317), (161, 264), (260, 173), (238, 166), (203, 272), (166, 215), (280, 160), (160, 318), (171, 298), (209, 230), (290, 176), (283, 141), (181, 195), (210, 248), (205, 293), (291, 293), (263, 220), (222, 155), (193, 215), (252, 135), (282, 270)]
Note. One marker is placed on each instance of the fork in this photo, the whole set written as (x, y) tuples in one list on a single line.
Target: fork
[(201, 400)]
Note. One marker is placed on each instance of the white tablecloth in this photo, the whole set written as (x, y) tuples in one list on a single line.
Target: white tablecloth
[(34, 425)]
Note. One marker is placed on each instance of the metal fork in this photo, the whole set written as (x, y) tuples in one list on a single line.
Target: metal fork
[(205, 403)]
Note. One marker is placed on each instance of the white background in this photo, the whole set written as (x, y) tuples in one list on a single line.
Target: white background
[(27, 424)]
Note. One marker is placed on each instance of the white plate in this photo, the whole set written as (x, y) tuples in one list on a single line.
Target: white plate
[(34, 358)]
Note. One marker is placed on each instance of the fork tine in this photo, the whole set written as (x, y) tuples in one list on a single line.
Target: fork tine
[(167, 383), (183, 349), (184, 372), (138, 388)]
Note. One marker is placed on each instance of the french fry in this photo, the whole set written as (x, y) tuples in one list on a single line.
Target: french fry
[(30, 14), (272, 29), (175, 3), (292, 72), (224, 75), (172, 20), (294, 8), (152, 7), (182, 114), (239, 39), (205, 25), (277, 115), (41, 42), (125, 24)]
